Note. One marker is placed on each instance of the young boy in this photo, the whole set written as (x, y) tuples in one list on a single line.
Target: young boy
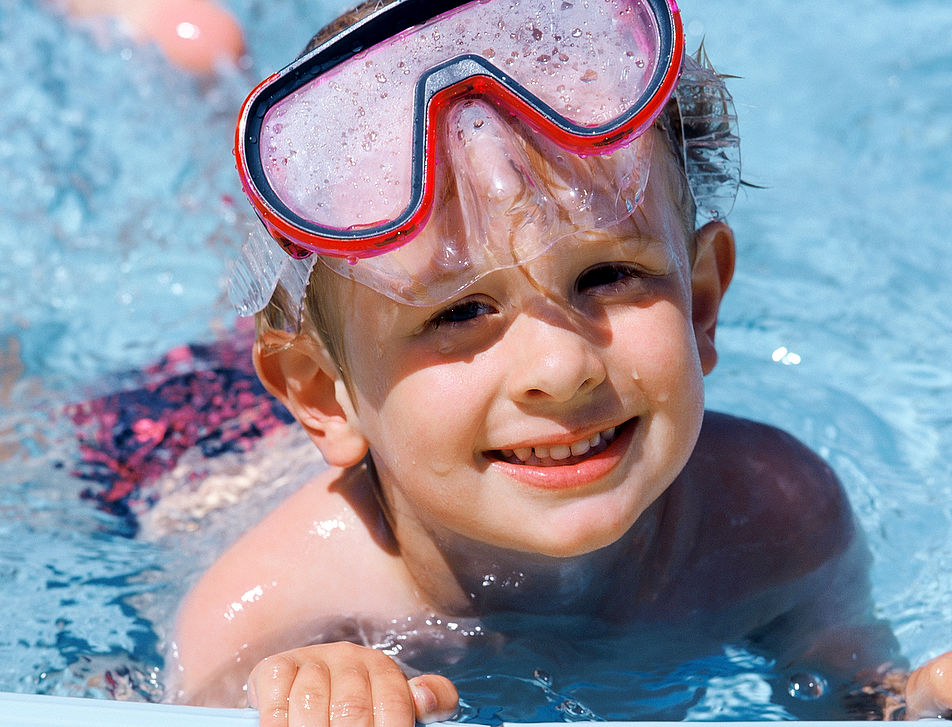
[(499, 351)]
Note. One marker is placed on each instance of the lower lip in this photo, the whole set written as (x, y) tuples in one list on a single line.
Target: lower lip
[(571, 476)]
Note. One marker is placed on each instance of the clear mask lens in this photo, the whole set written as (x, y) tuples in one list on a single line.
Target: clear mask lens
[(505, 195)]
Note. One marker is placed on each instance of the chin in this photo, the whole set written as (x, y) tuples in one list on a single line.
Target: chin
[(576, 538)]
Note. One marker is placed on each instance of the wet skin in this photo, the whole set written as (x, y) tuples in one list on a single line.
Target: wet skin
[(458, 450)]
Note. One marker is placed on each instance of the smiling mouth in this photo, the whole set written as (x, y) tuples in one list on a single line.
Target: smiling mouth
[(561, 454)]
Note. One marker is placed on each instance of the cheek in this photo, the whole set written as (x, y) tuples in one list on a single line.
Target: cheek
[(430, 418), (657, 349)]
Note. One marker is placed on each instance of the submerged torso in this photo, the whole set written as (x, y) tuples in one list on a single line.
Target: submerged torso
[(753, 529)]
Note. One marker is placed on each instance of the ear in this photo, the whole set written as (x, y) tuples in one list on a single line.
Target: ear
[(710, 276), (301, 374)]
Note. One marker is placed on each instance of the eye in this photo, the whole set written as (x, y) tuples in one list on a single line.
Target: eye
[(608, 278), (461, 313)]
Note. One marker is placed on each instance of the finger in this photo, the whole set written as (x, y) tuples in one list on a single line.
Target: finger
[(929, 689), (351, 701), (309, 698), (434, 698), (268, 688), (392, 701)]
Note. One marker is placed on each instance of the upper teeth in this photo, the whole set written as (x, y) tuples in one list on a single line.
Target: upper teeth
[(562, 451)]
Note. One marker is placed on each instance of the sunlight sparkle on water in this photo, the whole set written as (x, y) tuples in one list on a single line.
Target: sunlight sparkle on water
[(786, 357)]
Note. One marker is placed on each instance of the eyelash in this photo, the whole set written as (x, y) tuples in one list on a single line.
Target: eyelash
[(622, 274), (465, 311), (461, 313)]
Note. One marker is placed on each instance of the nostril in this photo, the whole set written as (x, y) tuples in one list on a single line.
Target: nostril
[(561, 393), (556, 362)]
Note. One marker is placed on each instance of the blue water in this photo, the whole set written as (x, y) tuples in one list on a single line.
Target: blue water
[(119, 212)]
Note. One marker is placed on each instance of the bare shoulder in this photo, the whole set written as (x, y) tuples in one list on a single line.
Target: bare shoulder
[(766, 466), (773, 510), (286, 581)]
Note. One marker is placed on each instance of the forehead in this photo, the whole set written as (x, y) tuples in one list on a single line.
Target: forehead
[(506, 196), (653, 234)]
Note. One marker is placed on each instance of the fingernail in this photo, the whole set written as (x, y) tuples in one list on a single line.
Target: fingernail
[(425, 701)]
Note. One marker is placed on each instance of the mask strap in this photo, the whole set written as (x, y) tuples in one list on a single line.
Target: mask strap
[(258, 270), (711, 142)]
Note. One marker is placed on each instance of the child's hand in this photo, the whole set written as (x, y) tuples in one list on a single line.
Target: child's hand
[(929, 689), (345, 684)]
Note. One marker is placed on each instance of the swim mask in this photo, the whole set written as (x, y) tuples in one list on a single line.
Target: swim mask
[(343, 153)]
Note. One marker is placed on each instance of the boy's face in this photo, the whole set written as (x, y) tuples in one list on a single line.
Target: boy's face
[(549, 404)]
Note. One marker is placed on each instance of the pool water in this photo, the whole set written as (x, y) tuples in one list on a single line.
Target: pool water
[(120, 213)]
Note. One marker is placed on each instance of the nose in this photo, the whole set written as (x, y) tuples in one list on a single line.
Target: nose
[(555, 361)]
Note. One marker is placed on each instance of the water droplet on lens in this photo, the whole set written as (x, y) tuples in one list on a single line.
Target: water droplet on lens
[(806, 686)]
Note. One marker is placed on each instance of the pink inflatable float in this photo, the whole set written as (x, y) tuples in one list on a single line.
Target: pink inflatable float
[(196, 35)]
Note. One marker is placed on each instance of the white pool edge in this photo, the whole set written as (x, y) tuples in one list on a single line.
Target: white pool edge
[(37, 710)]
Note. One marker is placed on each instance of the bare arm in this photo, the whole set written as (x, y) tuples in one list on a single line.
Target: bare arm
[(298, 578)]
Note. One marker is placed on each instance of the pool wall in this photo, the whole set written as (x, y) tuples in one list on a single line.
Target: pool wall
[(22, 710)]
